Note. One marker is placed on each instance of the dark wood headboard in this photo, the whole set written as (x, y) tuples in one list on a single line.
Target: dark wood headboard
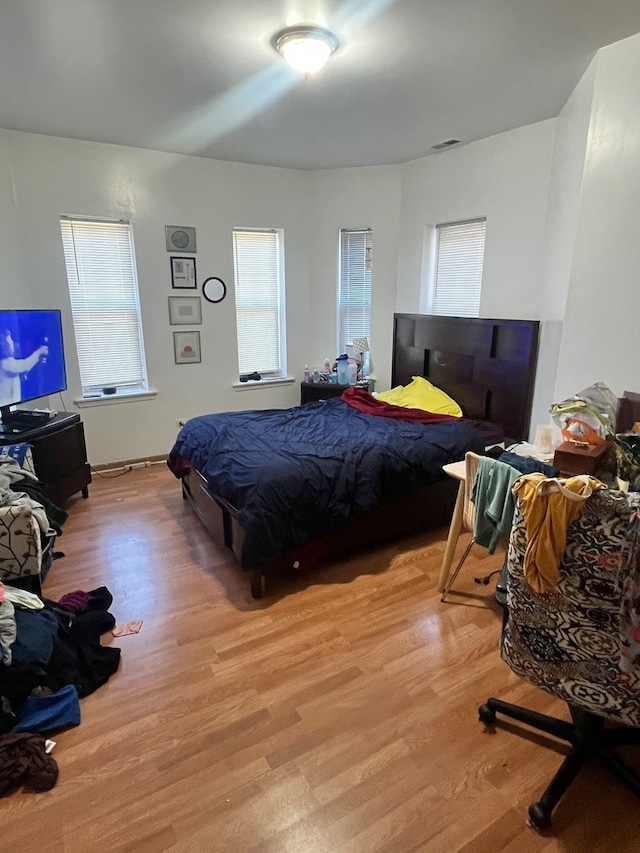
[(487, 366)]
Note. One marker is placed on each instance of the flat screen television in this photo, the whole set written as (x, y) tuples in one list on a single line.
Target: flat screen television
[(31, 359)]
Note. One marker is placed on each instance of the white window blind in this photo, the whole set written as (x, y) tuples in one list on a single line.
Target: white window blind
[(355, 286), (104, 302), (458, 268), (259, 289)]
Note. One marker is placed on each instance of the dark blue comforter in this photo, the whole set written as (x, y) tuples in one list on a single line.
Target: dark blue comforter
[(296, 474)]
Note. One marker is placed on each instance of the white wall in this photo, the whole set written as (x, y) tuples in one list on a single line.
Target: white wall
[(567, 174), (367, 197), (565, 190), (14, 283), (505, 178), (602, 317), (43, 177)]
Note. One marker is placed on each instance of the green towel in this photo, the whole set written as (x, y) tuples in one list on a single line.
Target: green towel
[(494, 502)]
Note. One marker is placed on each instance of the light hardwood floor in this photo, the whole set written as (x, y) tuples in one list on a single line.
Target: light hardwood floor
[(339, 713)]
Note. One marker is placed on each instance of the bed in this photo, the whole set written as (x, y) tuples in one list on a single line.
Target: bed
[(291, 487)]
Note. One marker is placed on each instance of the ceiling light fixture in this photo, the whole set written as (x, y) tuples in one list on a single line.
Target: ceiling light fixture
[(306, 49)]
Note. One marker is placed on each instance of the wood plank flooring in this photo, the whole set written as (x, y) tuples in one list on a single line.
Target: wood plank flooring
[(337, 714)]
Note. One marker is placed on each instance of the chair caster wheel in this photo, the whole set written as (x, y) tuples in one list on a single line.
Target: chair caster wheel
[(486, 715), (539, 817)]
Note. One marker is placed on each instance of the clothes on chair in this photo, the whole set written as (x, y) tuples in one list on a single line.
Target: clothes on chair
[(11, 498), (567, 641), (11, 472), (549, 506), (526, 464), (37, 492), (574, 652), (494, 502)]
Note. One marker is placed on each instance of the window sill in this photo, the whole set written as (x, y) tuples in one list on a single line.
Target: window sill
[(263, 383), (120, 397)]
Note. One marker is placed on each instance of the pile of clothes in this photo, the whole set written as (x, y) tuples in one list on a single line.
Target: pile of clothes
[(26, 513), (51, 657), (20, 486)]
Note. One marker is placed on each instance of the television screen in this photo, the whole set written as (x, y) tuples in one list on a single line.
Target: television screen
[(31, 356)]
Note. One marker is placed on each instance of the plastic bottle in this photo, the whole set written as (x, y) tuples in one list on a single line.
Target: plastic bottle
[(353, 373), (343, 369), (306, 376), (327, 366)]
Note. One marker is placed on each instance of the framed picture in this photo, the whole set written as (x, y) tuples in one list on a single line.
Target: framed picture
[(183, 273), (186, 347), (180, 238), (185, 311)]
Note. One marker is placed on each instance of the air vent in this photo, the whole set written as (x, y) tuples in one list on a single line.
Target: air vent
[(446, 143)]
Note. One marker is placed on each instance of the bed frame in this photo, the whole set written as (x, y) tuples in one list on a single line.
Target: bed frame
[(488, 366)]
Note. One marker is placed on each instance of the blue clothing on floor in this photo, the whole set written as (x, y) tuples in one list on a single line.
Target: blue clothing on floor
[(36, 631), (47, 714)]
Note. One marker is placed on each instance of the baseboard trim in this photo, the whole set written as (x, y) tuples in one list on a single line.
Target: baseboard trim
[(123, 463)]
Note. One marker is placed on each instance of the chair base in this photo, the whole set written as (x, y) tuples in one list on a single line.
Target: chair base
[(588, 738), (501, 586)]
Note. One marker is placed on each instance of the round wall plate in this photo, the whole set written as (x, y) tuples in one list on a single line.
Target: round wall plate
[(214, 289), (180, 237)]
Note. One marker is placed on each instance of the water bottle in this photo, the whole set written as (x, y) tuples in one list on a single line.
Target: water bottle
[(306, 376), (343, 369), (327, 366)]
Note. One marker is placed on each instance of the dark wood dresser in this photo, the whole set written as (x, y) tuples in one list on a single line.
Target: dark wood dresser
[(59, 454)]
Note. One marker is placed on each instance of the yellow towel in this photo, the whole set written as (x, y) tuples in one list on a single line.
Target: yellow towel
[(549, 505)]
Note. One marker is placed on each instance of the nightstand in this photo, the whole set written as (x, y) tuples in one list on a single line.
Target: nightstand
[(311, 392), (571, 459)]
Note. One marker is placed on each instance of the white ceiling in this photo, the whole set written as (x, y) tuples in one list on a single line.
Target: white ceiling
[(200, 76)]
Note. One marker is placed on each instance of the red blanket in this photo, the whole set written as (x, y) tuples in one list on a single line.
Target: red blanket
[(364, 402)]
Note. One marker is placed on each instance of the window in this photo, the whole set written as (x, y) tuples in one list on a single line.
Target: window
[(259, 286), (355, 286), (459, 257), (103, 288)]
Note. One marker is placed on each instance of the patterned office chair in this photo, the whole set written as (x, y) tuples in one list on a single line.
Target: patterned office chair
[(580, 641)]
